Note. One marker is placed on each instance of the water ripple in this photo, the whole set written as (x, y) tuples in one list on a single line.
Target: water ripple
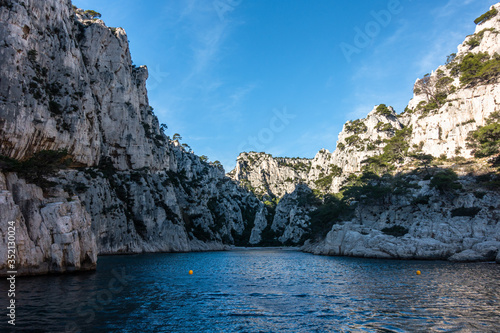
[(262, 291)]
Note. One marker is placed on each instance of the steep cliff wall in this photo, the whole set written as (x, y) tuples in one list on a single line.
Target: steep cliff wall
[(67, 81), (68, 86)]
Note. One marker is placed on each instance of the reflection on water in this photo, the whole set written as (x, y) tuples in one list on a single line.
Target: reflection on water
[(261, 291)]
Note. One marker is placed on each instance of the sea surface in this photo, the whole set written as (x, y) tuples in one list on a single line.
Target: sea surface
[(260, 290)]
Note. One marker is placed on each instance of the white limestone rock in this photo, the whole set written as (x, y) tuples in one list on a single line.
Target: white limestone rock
[(432, 232), (467, 256), (53, 235), (260, 224), (291, 220)]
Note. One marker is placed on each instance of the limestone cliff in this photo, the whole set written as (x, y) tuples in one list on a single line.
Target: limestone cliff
[(72, 103)]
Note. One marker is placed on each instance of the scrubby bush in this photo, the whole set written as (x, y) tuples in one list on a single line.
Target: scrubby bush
[(356, 127), (396, 231), (32, 54), (367, 188), (473, 42), (463, 211), (445, 181), (353, 139), (397, 146), (382, 109), (421, 200), (395, 150), (336, 171), (485, 141), (384, 127), (326, 215), (443, 82), (450, 58), (324, 182), (479, 194), (479, 68), (93, 14), (486, 16), (55, 107)]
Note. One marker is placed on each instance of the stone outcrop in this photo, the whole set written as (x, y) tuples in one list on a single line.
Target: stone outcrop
[(268, 176), (291, 221), (444, 130), (51, 236), (194, 209), (68, 83), (453, 226)]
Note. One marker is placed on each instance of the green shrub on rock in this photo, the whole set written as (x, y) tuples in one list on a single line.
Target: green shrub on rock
[(486, 16), (382, 109), (485, 141), (445, 181)]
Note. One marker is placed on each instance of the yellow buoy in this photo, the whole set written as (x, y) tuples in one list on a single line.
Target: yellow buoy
[(418, 272), (190, 272)]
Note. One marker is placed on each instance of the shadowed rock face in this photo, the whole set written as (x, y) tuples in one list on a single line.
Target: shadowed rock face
[(51, 236)]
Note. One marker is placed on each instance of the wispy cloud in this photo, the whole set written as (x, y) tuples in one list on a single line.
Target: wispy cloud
[(444, 40), (198, 38), (360, 111), (450, 8), (230, 107), (395, 38), (202, 25), (444, 44), (327, 136), (206, 49)]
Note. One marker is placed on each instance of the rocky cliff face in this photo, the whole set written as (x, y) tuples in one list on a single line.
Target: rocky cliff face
[(447, 105), (67, 85), (442, 128), (67, 81), (268, 176)]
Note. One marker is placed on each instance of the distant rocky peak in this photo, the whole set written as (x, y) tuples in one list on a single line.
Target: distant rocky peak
[(486, 35)]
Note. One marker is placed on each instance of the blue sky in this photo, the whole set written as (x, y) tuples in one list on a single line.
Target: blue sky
[(282, 76)]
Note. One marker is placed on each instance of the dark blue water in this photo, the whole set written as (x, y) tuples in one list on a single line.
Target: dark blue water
[(261, 291)]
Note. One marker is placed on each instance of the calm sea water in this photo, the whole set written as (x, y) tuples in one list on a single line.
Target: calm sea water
[(266, 290)]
